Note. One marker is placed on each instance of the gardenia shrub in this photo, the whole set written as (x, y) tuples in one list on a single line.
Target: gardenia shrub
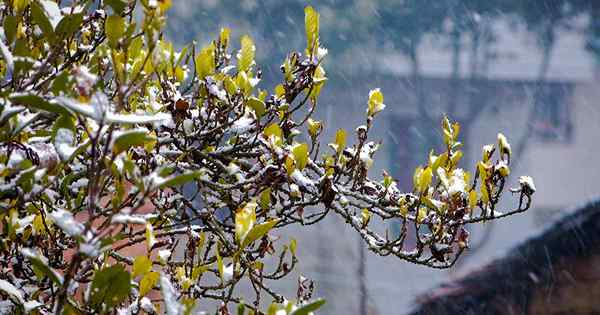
[(136, 178)]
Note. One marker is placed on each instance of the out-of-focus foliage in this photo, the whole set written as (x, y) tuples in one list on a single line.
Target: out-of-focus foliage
[(139, 177), (349, 26)]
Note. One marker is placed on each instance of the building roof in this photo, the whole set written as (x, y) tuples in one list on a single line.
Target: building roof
[(512, 284)]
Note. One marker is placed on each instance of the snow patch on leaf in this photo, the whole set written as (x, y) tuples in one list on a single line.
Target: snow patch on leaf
[(67, 222), (172, 306)]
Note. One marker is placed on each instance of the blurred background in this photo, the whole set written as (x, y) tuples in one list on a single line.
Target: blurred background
[(528, 69)]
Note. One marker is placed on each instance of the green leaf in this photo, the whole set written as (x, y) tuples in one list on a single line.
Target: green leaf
[(246, 54), (59, 84), (69, 25), (258, 231), (178, 180), (131, 138), (10, 27), (300, 153), (36, 102), (115, 28), (311, 21), (308, 308), (148, 282), (265, 198), (110, 287), (39, 17), (118, 6), (220, 266), (141, 265), (241, 309)]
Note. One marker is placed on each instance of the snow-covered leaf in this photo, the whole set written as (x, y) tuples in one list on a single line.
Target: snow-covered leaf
[(41, 264), (36, 102), (66, 222)]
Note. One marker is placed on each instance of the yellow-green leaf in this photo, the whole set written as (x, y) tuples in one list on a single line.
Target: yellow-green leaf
[(455, 130), (198, 271), (485, 194), (473, 199), (425, 179), (421, 214), (290, 165), (141, 265), (279, 90), (149, 280), (243, 82), (245, 218), (150, 238), (257, 106), (340, 140), (311, 21), (300, 152), (205, 61), (220, 266), (375, 102), (258, 231), (319, 79), (314, 127), (265, 198), (230, 85), (224, 36), (455, 158), (293, 246), (273, 131), (246, 55), (365, 216)]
